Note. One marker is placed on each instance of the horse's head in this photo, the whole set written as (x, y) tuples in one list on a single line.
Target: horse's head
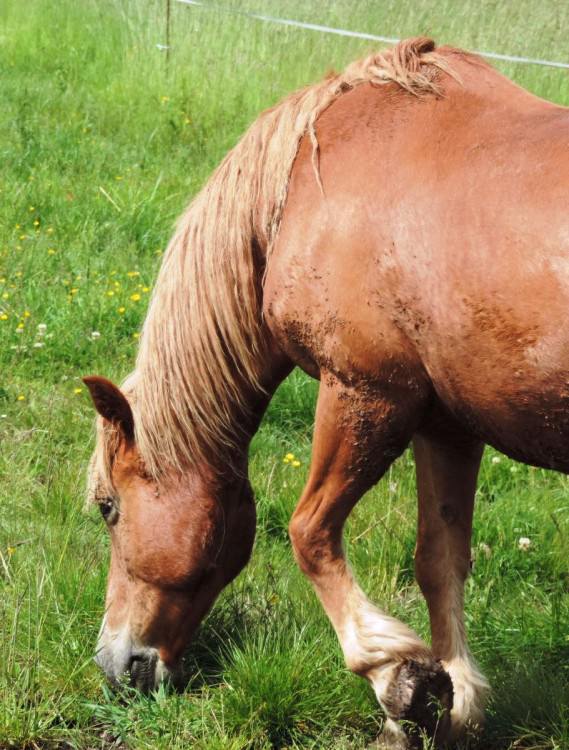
[(175, 543)]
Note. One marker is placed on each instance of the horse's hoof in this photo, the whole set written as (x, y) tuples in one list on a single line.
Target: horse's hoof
[(420, 697)]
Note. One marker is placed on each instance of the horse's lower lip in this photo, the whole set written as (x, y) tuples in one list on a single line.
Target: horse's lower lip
[(142, 669)]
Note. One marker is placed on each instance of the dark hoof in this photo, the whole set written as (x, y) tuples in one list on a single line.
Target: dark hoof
[(420, 697)]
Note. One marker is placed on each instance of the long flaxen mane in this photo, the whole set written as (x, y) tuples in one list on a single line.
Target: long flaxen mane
[(203, 341)]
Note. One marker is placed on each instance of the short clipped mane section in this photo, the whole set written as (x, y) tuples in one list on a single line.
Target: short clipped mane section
[(203, 342)]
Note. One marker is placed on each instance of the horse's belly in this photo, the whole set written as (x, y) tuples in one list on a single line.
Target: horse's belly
[(518, 408)]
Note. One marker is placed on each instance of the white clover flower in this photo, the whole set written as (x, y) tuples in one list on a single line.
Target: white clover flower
[(496, 459), (485, 550), (95, 335), (524, 543), (42, 328), (393, 487), (38, 345)]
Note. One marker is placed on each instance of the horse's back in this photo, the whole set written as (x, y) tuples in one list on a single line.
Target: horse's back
[(436, 254)]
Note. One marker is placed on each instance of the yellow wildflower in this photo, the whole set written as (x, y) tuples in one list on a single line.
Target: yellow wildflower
[(296, 463), (77, 391), (21, 397), (121, 310), (135, 297)]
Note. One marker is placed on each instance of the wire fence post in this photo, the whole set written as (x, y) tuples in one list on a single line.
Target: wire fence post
[(168, 14)]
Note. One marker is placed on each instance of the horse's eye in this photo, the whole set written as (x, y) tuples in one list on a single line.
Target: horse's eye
[(107, 507)]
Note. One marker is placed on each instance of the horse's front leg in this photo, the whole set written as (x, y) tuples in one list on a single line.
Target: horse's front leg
[(356, 438), (447, 463)]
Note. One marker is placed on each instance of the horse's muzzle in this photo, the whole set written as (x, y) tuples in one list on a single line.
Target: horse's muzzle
[(123, 662)]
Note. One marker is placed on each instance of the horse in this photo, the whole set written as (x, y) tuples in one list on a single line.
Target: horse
[(400, 232)]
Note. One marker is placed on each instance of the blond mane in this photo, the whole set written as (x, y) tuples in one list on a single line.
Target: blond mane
[(203, 342)]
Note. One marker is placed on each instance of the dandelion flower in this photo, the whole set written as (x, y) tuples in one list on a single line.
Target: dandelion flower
[(295, 463), (136, 335), (289, 456), (121, 310), (4, 316), (110, 293), (50, 251), (27, 313), (135, 297), (77, 391), (21, 397)]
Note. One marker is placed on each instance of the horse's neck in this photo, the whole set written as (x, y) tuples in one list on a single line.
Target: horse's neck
[(276, 368)]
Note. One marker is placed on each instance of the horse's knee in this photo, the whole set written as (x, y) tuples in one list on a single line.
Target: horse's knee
[(315, 544)]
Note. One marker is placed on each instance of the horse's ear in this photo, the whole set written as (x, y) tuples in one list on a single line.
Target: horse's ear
[(111, 403)]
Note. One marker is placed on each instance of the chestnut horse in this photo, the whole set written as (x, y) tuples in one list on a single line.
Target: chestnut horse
[(400, 232)]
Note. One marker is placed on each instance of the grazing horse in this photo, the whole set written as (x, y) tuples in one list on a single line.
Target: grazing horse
[(399, 231)]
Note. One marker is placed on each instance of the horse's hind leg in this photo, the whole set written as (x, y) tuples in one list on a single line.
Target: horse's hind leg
[(447, 468), (358, 433)]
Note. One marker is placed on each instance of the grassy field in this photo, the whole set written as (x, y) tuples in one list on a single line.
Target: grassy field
[(100, 148)]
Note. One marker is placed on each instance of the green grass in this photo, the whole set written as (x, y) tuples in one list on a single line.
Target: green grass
[(100, 149)]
